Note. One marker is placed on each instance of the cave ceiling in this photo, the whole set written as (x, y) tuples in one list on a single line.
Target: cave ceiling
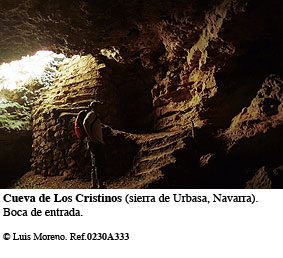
[(137, 28), (83, 27)]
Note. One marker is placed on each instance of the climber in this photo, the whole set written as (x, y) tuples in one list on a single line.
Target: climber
[(92, 129)]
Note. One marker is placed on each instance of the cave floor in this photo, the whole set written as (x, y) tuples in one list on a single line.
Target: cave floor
[(37, 181)]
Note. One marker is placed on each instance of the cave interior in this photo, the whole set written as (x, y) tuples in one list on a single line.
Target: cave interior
[(192, 93)]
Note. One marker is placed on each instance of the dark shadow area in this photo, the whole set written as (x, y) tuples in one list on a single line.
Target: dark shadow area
[(256, 36), (133, 84), (120, 151), (15, 153)]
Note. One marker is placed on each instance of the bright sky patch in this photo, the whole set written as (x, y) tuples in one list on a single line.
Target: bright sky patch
[(18, 73)]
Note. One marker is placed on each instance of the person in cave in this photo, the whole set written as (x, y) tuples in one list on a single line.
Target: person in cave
[(92, 127)]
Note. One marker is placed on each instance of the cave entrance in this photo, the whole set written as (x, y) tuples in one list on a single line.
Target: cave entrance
[(21, 82), (47, 145), (29, 73)]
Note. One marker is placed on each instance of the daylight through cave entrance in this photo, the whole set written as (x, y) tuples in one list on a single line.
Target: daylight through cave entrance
[(40, 98), (21, 84), (28, 75)]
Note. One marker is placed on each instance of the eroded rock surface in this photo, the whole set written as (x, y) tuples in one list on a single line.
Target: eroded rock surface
[(254, 138)]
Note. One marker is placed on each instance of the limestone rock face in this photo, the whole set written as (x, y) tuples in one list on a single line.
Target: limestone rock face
[(260, 180), (264, 114), (255, 134), (265, 178)]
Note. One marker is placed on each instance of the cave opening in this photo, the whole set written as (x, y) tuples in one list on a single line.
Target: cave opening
[(41, 96), (21, 84), (22, 80)]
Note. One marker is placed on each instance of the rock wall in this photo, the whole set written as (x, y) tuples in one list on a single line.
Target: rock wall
[(138, 157), (133, 84), (255, 134), (55, 147), (212, 77)]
